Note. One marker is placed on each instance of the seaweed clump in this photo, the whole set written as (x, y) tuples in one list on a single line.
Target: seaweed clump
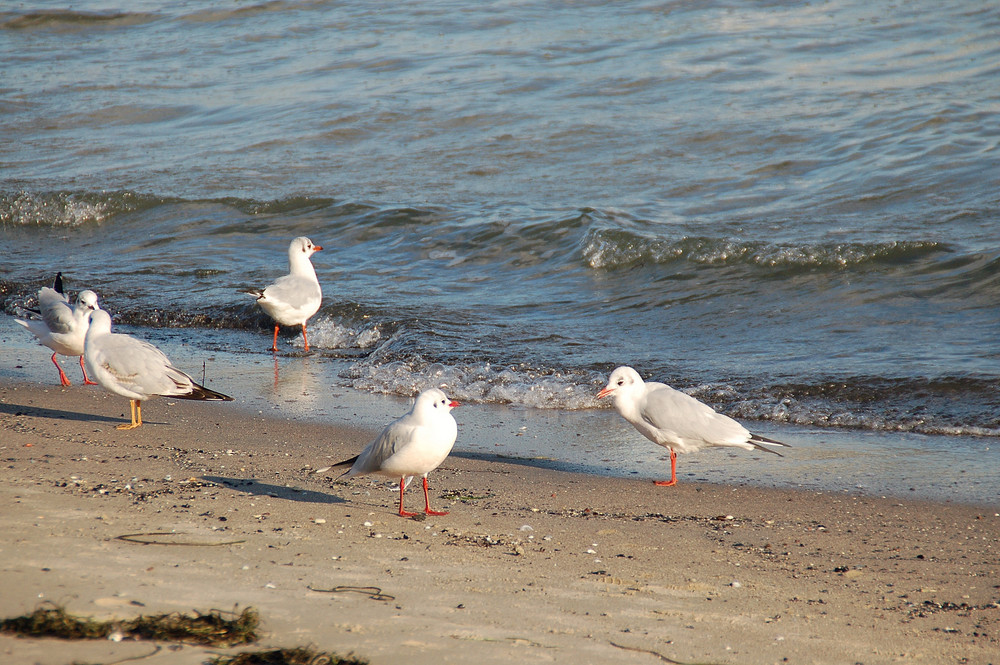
[(296, 656), (212, 629)]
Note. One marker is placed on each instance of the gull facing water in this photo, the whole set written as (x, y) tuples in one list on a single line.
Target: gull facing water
[(675, 420), (415, 444), (136, 369), (294, 298), (63, 328)]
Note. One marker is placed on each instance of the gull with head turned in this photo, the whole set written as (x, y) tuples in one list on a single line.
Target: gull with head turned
[(675, 420), (62, 328)]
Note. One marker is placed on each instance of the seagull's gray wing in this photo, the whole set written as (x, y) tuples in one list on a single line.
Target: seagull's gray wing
[(139, 366), (393, 438), (690, 420), (294, 291), (55, 310)]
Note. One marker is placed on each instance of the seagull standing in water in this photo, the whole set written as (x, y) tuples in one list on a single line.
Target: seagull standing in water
[(675, 420), (62, 328), (294, 298), (415, 444), (136, 369)]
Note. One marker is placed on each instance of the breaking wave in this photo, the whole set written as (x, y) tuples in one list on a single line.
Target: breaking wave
[(609, 249)]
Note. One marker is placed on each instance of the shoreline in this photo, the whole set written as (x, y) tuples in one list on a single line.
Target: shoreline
[(539, 563), (309, 389)]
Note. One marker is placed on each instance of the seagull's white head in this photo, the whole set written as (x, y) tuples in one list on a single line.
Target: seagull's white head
[(303, 245), (87, 299), (623, 381), (100, 322), (433, 403)]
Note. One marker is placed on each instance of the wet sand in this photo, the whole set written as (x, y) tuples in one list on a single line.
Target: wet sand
[(531, 563)]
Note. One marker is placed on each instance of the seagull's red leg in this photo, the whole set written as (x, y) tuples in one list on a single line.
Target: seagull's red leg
[(673, 472), (62, 375), (86, 379), (304, 337), (402, 488), (274, 344), (427, 503)]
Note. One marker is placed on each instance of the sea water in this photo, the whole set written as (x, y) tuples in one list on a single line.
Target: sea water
[(788, 210)]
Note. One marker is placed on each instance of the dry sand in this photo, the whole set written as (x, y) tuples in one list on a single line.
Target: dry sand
[(531, 564)]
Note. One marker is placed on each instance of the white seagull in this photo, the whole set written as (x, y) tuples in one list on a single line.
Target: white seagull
[(136, 369), (62, 328), (294, 298), (415, 444), (675, 420)]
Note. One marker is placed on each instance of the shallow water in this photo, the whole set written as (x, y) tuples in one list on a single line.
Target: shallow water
[(960, 469), (788, 210)]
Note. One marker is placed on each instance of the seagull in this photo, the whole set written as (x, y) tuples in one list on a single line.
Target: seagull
[(294, 298), (136, 369), (675, 420), (62, 328), (415, 444)]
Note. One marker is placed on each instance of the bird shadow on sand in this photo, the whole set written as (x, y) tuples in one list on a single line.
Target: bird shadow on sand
[(533, 462), (55, 414), (258, 488)]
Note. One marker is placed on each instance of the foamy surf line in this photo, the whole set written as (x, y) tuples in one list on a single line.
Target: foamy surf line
[(590, 441)]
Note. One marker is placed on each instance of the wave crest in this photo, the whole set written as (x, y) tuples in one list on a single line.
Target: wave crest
[(68, 209), (479, 383), (610, 249)]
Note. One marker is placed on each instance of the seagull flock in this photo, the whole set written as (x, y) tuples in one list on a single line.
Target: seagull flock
[(413, 445)]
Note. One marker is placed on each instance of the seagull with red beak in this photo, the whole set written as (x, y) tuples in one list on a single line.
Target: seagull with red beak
[(414, 445), (293, 299)]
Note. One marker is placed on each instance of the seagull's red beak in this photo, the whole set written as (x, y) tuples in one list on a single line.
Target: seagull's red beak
[(453, 404), (605, 392), (316, 248)]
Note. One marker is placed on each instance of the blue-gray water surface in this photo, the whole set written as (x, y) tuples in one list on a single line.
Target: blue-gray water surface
[(790, 210)]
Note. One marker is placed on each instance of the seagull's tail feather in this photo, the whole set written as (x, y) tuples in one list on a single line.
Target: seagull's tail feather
[(204, 394), (349, 463), (256, 293), (756, 440)]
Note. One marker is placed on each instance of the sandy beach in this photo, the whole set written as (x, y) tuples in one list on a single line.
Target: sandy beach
[(534, 564)]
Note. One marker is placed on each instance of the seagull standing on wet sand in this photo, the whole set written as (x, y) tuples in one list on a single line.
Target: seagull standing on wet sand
[(675, 420), (136, 369), (415, 444), (62, 328), (294, 298)]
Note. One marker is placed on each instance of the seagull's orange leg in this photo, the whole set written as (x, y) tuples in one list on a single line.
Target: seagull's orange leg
[(86, 379), (673, 472), (62, 375), (402, 488), (304, 337), (427, 503), (136, 415), (274, 344)]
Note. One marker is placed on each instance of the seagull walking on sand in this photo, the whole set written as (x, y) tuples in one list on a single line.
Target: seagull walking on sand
[(675, 420), (415, 444), (136, 369), (62, 328), (294, 298)]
